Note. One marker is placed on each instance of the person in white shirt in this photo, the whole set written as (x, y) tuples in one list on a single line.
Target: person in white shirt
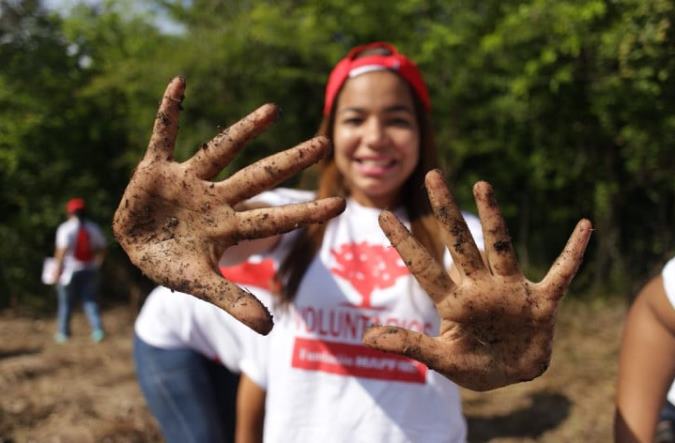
[(368, 340), (187, 354), (79, 252), (347, 295)]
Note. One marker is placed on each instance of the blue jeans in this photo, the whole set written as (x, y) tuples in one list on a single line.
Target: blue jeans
[(192, 397), (668, 412), (665, 429), (83, 285)]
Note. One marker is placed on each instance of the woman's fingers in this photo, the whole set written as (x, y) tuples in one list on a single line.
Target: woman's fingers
[(498, 247), (241, 304), (264, 222), (399, 341), (433, 278), (213, 156), (270, 171), (165, 129), (198, 277), (463, 249), (566, 265), (411, 344)]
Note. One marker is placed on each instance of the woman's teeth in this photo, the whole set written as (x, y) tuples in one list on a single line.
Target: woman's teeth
[(377, 163)]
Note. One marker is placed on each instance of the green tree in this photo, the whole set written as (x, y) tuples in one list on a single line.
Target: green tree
[(566, 107), (62, 132)]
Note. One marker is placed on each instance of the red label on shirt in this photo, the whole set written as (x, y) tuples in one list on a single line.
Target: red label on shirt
[(261, 274), (355, 360)]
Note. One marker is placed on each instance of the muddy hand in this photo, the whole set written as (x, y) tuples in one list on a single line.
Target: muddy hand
[(496, 326), (175, 223)]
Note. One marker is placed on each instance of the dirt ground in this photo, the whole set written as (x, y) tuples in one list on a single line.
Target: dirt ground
[(85, 392)]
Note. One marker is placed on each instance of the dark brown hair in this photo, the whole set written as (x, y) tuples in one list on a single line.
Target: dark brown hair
[(332, 183)]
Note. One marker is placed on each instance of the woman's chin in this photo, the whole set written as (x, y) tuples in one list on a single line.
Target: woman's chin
[(376, 196)]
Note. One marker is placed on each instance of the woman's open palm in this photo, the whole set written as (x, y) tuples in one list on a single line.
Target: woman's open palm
[(174, 222), (496, 326)]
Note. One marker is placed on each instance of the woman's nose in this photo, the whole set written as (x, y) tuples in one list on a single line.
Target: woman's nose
[(375, 135)]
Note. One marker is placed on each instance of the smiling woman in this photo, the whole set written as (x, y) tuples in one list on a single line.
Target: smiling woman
[(403, 95), (376, 137), (369, 342), (339, 279)]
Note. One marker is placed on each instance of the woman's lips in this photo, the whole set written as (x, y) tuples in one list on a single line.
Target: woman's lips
[(374, 167)]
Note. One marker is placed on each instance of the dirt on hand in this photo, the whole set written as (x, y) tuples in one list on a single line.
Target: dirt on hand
[(174, 222), (496, 325)]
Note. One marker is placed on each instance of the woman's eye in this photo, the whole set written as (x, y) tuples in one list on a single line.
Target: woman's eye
[(400, 122), (352, 121)]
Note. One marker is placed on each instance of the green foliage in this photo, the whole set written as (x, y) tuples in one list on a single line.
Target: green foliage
[(566, 107)]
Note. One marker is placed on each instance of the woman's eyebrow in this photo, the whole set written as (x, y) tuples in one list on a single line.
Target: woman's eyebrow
[(351, 109), (390, 109), (399, 108)]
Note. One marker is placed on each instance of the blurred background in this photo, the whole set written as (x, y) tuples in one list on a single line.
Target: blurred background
[(567, 107)]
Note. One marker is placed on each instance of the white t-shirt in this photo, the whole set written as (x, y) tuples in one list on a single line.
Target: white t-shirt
[(175, 320), (66, 237), (322, 384), (668, 275)]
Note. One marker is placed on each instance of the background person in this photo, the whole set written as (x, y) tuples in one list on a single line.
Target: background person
[(80, 249), (187, 354)]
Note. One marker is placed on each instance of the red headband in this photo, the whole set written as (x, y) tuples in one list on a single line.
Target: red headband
[(350, 66)]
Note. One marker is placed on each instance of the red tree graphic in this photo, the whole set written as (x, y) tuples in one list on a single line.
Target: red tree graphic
[(368, 267)]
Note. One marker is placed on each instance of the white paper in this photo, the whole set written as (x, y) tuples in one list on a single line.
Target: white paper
[(48, 268)]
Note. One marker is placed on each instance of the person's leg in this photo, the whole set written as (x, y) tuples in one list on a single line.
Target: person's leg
[(64, 310), (225, 389), (88, 289), (180, 393)]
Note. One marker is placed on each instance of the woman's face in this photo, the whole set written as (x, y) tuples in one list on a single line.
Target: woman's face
[(376, 137)]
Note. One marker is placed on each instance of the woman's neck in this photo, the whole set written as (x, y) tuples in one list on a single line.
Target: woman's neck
[(385, 202)]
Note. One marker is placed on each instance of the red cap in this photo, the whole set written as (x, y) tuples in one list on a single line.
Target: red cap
[(350, 66), (74, 204)]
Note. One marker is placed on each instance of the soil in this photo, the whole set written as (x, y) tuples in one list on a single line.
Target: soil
[(86, 392)]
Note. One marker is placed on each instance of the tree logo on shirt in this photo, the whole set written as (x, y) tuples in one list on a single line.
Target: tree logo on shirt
[(368, 267)]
